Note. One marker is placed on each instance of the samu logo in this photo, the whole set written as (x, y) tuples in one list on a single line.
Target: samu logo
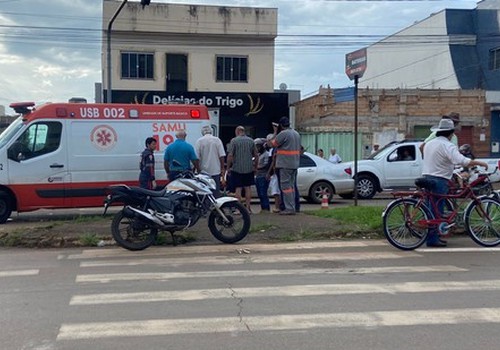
[(103, 137)]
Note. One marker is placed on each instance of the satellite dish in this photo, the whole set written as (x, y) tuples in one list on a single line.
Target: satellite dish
[(283, 87)]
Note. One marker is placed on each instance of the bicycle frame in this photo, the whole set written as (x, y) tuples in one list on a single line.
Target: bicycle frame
[(463, 195)]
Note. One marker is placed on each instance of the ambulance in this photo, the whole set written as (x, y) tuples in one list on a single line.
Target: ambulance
[(64, 155)]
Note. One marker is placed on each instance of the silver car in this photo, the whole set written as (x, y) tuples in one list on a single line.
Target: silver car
[(317, 176)]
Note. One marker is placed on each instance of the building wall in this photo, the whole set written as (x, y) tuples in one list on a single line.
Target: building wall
[(388, 115), (418, 56), (201, 33)]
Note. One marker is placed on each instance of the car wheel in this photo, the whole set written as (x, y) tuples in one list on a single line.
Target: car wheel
[(367, 186), (317, 190)]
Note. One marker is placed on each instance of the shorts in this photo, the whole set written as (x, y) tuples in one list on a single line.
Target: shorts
[(274, 186), (242, 180)]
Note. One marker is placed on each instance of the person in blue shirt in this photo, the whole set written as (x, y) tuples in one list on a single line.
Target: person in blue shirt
[(179, 156)]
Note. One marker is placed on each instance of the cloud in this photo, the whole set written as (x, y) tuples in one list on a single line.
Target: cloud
[(56, 64)]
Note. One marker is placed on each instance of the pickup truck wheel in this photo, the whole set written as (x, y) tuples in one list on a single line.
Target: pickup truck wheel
[(366, 187), (5, 207), (316, 192)]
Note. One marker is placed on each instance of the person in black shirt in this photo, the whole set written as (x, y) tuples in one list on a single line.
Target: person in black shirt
[(147, 165)]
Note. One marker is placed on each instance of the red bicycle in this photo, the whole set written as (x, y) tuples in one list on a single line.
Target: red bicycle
[(408, 219)]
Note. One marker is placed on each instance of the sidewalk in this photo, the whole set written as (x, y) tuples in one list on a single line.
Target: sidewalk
[(67, 231)]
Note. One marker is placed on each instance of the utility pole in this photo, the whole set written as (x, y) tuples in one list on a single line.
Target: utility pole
[(108, 58)]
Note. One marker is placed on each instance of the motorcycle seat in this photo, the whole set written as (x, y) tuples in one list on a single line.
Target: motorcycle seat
[(150, 193)]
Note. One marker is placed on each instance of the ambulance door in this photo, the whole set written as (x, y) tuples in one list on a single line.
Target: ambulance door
[(38, 166)]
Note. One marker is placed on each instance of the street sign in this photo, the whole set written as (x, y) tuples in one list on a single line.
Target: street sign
[(355, 63)]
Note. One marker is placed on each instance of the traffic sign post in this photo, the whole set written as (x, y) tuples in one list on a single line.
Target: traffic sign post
[(355, 66)]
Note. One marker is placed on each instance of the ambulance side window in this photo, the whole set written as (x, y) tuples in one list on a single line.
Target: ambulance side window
[(40, 138)]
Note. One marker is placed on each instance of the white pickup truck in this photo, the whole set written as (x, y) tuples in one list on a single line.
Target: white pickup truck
[(396, 166)]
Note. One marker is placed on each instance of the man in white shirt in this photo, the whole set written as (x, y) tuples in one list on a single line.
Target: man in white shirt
[(334, 157), (210, 151), (441, 155)]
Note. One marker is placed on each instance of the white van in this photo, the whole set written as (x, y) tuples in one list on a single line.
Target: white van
[(63, 155)]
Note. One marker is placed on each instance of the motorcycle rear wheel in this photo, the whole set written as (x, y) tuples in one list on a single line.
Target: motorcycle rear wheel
[(131, 233), (236, 229)]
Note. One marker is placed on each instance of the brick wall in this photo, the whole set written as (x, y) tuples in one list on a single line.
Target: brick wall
[(396, 111)]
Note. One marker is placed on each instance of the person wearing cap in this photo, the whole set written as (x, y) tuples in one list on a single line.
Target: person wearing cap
[(287, 144), (210, 151), (455, 117), (261, 179), (441, 155), (242, 161)]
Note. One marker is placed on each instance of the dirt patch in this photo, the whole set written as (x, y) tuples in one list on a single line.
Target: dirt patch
[(92, 230)]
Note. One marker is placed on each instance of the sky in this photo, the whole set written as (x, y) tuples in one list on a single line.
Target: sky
[(50, 50)]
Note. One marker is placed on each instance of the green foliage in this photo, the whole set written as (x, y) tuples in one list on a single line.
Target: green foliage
[(89, 239), (359, 218), (13, 239)]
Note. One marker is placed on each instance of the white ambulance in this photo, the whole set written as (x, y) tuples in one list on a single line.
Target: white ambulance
[(63, 155)]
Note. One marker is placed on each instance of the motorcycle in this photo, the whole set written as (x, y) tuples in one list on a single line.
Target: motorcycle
[(175, 208)]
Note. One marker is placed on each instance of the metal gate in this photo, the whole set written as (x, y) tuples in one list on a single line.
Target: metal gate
[(343, 142)]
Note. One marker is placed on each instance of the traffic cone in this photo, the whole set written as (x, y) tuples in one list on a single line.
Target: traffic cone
[(324, 201)]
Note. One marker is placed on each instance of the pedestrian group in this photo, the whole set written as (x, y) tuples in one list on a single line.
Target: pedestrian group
[(269, 163)]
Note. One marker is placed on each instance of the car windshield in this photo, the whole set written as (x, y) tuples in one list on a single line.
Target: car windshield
[(381, 152), (11, 131)]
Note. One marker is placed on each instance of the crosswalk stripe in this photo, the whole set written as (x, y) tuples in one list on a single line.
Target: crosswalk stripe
[(160, 327), (249, 258), (210, 249), (285, 290), (116, 277), (19, 273)]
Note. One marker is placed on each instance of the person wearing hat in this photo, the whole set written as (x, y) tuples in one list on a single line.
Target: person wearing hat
[(441, 155), (455, 117), (287, 144)]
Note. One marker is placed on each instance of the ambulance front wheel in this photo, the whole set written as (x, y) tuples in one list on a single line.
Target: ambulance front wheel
[(5, 207)]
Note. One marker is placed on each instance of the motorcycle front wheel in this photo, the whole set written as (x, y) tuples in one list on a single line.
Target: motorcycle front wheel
[(237, 226), (131, 233)]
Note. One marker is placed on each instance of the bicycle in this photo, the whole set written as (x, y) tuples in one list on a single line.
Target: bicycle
[(408, 219)]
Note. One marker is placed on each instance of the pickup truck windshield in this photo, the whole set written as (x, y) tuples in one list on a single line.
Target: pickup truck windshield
[(11, 131), (381, 152)]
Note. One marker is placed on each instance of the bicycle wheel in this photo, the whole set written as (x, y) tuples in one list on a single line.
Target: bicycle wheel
[(404, 223), (482, 221)]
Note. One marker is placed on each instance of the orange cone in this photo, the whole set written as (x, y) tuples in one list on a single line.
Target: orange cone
[(324, 201)]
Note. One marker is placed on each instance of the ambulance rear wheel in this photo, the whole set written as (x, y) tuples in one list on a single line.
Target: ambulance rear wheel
[(131, 233), (5, 207)]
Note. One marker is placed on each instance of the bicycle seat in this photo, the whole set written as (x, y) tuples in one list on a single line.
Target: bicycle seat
[(423, 182)]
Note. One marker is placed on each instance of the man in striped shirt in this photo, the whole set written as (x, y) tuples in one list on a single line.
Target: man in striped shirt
[(242, 161)]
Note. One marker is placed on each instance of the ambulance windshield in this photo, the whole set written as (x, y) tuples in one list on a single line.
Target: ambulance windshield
[(11, 131)]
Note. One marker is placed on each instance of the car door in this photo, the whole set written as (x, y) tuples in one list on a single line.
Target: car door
[(402, 166), (37, 162), (306, 174)]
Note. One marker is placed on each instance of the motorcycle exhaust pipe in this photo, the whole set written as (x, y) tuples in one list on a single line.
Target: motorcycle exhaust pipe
[(139, 213)]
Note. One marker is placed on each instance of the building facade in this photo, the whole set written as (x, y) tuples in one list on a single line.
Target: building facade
[(386, 115), (217, 55), (451, 49)]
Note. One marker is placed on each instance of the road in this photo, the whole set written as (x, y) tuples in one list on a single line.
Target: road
[(311, 295)]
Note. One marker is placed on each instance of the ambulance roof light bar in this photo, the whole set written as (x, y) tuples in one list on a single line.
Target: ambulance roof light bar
[(22, 107)]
